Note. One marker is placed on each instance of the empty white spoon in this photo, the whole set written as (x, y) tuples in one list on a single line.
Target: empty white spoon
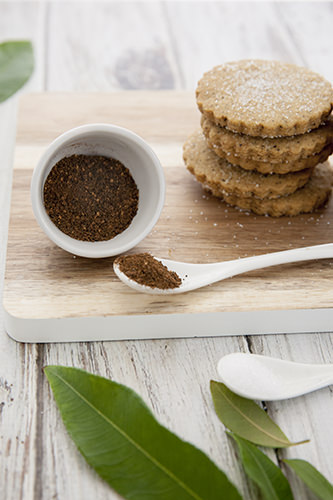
[(269, 379), (195, 276)]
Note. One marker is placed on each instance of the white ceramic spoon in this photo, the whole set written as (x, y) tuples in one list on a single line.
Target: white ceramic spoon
[(198, 275), (270, 379)]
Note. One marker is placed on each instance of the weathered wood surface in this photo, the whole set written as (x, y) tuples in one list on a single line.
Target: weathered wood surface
[(154, 45)]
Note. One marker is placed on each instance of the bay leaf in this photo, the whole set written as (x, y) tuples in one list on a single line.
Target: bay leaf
[(314, 480), (121, 439), (246, 419), (16, 66), (268, 476)]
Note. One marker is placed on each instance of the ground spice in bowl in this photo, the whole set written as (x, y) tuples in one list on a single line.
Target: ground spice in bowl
[(90, 197), (146, 270)]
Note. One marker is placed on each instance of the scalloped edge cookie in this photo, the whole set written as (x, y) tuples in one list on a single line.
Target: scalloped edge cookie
[(264, 98), (219, 174), (274, 150), (305, 200), (265, 167)]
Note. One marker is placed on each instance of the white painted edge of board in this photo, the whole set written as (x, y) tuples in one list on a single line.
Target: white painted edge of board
[(159, 326)]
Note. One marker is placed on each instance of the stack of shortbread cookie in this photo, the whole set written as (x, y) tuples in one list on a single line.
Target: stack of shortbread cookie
[(266, 129)]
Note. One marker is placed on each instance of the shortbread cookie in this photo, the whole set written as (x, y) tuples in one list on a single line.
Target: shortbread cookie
[(265, 167), (219, 174), (306, 199), (264, 98), (273, 150)]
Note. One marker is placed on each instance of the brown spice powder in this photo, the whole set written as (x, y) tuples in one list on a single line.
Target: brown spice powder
[(146, 270), (90, 198)]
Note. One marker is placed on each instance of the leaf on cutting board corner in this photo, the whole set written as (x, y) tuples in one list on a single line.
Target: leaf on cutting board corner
[(246, 419), (272, 483), (120, 438), (313, 479), (16, 66)]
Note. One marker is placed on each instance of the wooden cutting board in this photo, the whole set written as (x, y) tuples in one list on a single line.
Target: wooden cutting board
[(52, 296)]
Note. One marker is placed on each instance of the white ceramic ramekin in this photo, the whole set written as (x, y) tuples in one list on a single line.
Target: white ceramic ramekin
[(135, 154)]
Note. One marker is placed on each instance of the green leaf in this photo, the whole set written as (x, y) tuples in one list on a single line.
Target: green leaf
[(268, 476), (312, 478), (246, 419), (16, 66), (120, 438)]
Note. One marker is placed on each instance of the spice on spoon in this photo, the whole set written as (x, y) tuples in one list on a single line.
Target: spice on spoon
[(90, 197), (146, 270)]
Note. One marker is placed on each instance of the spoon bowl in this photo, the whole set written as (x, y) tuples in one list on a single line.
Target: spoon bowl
[(195, 276), (190, 274), (270, 379)]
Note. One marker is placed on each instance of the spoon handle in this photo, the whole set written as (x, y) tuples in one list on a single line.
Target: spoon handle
[(273, 259)]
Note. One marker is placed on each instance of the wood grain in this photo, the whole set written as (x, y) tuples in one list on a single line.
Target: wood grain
[(194, 227), (126, 46)]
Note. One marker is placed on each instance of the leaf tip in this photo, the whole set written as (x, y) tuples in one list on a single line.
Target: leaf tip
[(213, 384), (46, 370), (50, 370)]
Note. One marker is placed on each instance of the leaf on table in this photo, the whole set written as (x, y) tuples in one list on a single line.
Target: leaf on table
[(16, 66), (268, 476), (314, 480), (120, 438), (246, 419)]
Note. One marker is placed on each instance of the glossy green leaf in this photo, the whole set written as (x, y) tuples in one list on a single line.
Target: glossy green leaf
[(314, 480), (268, 476), (120, 438), (246, 419), (16, 66)]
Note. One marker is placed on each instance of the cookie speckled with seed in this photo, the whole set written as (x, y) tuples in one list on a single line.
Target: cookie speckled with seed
[(306, 199), (219, 174), (273, 150), (264, 98), (265, 167)]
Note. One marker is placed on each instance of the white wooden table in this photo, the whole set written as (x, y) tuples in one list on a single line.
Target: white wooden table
[(94, 46)]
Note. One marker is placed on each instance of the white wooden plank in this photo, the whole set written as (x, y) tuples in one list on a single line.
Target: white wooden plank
[(209, 33), (309, 25), (20, 20), (106, 46)]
